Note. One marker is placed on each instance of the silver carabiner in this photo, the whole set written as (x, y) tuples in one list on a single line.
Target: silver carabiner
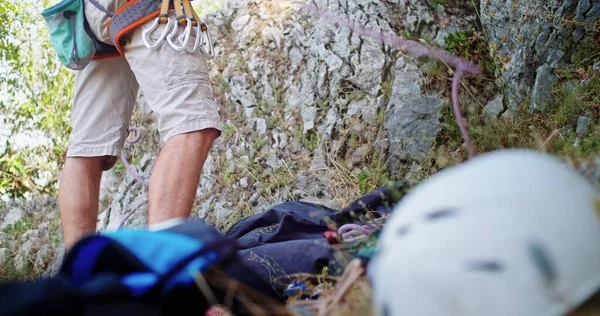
[(185, 35), (196, 46), (206, 41), (184, 38), (146, 34)]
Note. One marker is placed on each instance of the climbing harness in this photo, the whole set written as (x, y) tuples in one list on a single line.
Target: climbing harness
[(136, 13), (185, 16)]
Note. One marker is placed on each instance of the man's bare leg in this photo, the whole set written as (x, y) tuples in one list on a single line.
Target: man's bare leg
[(176, 174), (78, 195)]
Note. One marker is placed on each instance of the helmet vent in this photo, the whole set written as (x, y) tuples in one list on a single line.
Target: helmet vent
[(542, 260), (441, 214), (485, 266), (403, 231)]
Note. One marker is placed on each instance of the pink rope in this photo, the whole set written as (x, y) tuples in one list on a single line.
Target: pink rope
[(351, 233), (364, 229), (128, 166), (134, 174), (461, 67)]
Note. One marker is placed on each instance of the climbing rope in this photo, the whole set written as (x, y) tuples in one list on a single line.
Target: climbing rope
[(460, 66), (352, 233), (134, 174)]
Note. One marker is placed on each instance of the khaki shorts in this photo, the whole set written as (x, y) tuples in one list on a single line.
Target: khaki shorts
[(175, 85)]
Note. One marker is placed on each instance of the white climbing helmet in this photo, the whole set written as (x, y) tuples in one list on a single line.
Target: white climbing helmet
[(511, 232)]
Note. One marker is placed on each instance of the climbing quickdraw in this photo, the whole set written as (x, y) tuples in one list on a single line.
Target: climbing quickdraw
[(185, 16), (162, 18)]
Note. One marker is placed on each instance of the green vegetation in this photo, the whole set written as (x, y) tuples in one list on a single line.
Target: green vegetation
[(584, 54), (576, 94), (471, 45), (18, 228), (310, 139), (34, 107), (18, 233), (552, 131)]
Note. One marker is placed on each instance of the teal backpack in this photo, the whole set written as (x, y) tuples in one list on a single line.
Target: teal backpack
[(67, 28)]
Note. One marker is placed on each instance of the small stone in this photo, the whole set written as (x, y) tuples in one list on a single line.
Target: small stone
[(261, 126), (56, 262), (267, 95), (261, 205), (494, 107), (25, 251), (356, 157), (330, 203), (357, 129), (42, 255), (20, 261), (240, 93), (253, 198), (597, 67), (283, 140), (30, 234), (222, 211), (541, 95), (508, 115), (333, 62), (554, 57), (308, 117), (3, 255), (326, 129), (272, 161), (295, 57), (240, 22), (414, 175), (578, 34), (318, 162), (311, 185), (369, 113), (355, 106), (583, 123), (244, 182), (13, 216)]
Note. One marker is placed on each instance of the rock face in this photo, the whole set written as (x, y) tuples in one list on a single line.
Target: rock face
[(412, 117), (30, 234), (532, 41), (308, 99)]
